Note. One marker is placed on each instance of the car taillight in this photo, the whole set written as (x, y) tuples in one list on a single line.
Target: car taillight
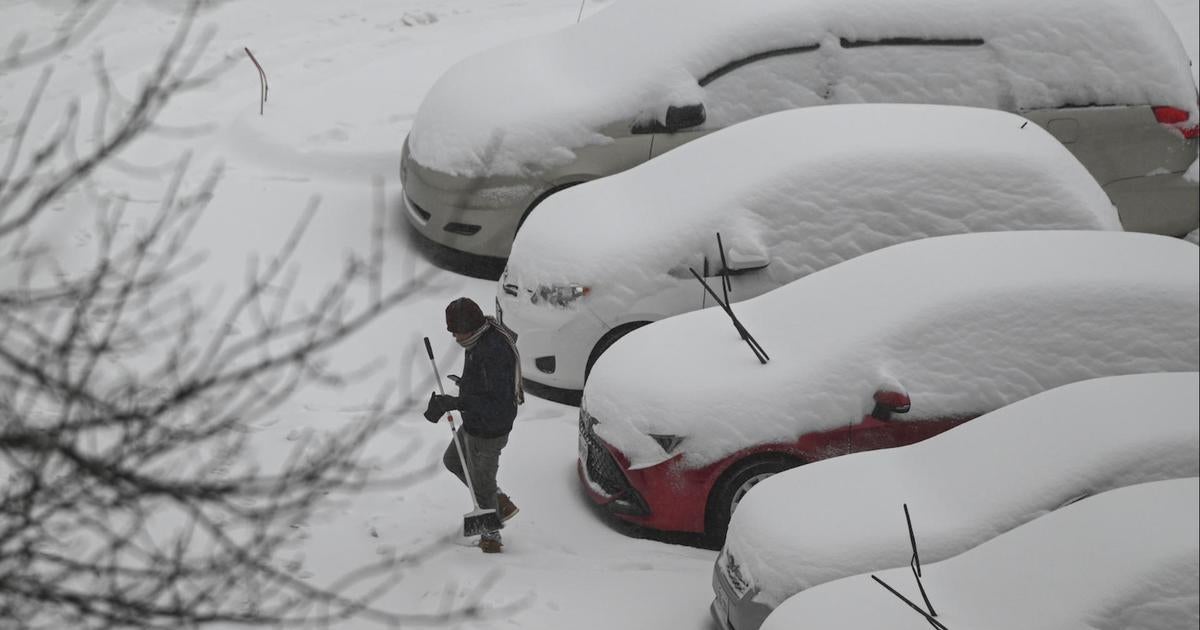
[(1176, 117)]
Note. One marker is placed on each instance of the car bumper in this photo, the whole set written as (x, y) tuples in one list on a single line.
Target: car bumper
[(600, 472), (554, 343), (648, 497), (480, 232), (476, 216), (732, 612)]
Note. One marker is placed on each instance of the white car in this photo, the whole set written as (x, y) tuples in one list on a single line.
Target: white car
[(683, 416), (600, 260), (842, 517), (504, 130), (1123, 559)]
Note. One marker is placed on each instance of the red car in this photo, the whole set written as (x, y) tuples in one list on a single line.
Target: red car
[(679, 419), (683, 496)]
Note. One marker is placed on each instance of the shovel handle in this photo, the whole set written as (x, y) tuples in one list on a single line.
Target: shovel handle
[(450, 416), (433, 362)]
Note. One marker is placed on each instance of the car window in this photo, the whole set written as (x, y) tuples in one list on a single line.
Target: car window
[(763, 83), (953, 71)]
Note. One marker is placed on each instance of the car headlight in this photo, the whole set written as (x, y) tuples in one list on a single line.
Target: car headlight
[(560, 295), (667, 442), (737, 577)]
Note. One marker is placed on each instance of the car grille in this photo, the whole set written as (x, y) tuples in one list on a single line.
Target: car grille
[(602, 468)]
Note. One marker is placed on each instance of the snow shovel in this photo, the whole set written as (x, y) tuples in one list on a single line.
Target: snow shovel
[(479, 521)]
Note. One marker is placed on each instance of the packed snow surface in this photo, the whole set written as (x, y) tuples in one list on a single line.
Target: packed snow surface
[(843, 516), (964, 324), (840, 189), (526, 105), (1123, 559)]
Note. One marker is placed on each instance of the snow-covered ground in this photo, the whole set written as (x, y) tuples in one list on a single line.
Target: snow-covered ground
[(345, 82)]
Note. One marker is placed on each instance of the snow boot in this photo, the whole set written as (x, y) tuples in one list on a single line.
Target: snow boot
[(506, 507), (490, 543)]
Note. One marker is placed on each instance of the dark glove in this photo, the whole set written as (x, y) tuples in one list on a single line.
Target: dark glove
[(438, 405), (448, 403), (454, 378), (433, 411)]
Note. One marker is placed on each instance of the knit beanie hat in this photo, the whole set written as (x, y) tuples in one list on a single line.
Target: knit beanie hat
[(463, 316)]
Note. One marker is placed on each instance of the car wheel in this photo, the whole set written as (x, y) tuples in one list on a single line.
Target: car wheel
[(606, 342), (732, 487)]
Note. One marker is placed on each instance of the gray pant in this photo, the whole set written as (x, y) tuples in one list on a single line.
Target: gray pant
[(483, 460)]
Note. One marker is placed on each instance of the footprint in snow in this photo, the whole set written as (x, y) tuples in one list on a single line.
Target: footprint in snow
[(423, 18)]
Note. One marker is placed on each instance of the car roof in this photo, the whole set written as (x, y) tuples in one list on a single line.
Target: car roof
[(843, 516), (1120, 559), (848, 180), (529, 103), (965, 324)]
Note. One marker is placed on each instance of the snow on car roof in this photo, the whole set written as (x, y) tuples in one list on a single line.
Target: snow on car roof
[(1122, 559), (965, 324), (839, 189), (522, 106), (843, 516)]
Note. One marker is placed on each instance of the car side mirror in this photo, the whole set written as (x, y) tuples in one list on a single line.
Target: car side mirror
[(889, 402), (681, 117), (745, 261)]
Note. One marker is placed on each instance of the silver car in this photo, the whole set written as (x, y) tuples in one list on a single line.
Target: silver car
[(502, 130)]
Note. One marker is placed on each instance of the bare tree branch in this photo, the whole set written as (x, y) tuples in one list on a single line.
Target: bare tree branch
[(134, 494)]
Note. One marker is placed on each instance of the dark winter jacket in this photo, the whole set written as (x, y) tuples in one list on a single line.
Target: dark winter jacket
[(486, 397)]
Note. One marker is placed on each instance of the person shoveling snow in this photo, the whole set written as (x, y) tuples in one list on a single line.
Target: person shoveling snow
[(489, 392)]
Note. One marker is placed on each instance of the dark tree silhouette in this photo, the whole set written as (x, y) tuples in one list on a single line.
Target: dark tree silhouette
[(131, 494)]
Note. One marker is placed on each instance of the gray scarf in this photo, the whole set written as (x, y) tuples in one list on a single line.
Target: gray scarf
[(511, 338)]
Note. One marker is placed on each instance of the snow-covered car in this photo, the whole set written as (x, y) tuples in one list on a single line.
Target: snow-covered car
[(680, 419), (600, 260), (842, 517), (1126, 558), (502, 130)]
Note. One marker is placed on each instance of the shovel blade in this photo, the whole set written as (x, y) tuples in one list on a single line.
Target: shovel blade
[(481, 522)]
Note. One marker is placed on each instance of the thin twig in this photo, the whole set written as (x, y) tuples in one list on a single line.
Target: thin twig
[(262, 81)]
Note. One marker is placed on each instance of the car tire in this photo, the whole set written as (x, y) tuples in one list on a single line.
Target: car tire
[(606, 342), (734, 484)]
